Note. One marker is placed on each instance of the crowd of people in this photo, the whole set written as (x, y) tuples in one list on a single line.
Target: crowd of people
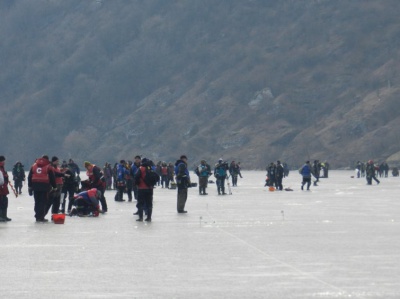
[(51, 183)]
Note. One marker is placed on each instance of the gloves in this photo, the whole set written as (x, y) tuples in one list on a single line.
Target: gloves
[(30, 191)]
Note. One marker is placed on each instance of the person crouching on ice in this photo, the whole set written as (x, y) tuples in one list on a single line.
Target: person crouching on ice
[(87, 203)]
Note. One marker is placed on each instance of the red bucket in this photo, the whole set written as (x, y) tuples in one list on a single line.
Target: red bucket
[(59, 218)]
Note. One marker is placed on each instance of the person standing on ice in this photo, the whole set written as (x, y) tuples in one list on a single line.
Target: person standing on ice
[(203, 171), (41, 180), (134, 168), (306, 172), (279, 176), (18, 176), (220, 173), (3, 192), (122, 172), (234, 171), (370, 171), (145, 192), (182, 182)]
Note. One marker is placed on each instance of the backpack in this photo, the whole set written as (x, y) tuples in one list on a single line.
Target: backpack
[(151, 177)]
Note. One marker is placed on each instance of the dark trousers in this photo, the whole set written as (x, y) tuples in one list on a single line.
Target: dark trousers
[(369, 179), (41, 199), (145, 201), (70, 190), (234, 180), (306, 181), (278, 183), (120, 193), (221, 185), (3, 204), (129, 188), (182, 197), (18, 186), (103, 199), (165, 181)]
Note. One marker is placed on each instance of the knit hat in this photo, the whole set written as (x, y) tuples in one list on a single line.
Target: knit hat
[(54, 158), (2, 158), (86, 163)]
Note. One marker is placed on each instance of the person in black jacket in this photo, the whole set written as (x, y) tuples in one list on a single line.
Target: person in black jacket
[(68, 188), (18, 176), (279, 175)]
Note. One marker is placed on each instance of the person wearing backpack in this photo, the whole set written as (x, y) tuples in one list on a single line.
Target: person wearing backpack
[(182, 182), (145, 189)]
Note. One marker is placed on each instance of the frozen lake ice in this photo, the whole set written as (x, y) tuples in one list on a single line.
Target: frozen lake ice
[(340, 240)]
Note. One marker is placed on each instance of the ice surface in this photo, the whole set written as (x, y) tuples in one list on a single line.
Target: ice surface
[(339, 240)]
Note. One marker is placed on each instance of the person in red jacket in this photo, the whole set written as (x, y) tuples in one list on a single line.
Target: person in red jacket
[(145, 192), (55, 196), (3, 192), (97, 180), (41, 181), (86, 203)]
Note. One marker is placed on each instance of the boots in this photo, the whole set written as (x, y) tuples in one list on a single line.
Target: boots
[(140, 214), (1, 216), (5, 215), (149, 212)]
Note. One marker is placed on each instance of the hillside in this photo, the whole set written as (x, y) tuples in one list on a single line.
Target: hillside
[(253, 80)]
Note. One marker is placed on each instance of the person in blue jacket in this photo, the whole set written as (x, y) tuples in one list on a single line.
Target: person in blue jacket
[(122, 172), (306, 171)]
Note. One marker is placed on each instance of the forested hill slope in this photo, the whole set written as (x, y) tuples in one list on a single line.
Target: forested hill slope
[(253, 80)]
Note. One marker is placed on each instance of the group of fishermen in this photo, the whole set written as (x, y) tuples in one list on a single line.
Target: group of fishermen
[(51, 183)]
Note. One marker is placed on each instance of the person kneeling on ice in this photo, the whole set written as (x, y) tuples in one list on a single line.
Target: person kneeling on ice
[(87, 203)]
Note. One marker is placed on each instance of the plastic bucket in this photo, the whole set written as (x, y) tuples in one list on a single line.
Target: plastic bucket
[(59, 218)]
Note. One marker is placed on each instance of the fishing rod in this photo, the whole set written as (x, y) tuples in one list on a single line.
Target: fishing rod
[(15, 192)]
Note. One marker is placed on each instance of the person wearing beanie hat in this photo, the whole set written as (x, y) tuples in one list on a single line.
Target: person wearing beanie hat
[(182, 182), (96, 180), (3, 192)]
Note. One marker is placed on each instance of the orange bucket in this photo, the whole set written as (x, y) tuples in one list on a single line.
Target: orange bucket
[(59, 218), (272, 189)]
